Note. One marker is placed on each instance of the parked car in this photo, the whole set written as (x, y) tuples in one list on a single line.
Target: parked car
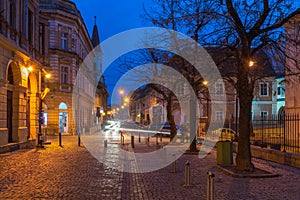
[(165, 128), (225, 134)]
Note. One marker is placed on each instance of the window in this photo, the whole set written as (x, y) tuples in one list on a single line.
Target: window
[(12, 13), (64, 41), (62, 106), (219, 115), (219, 88), (30, 31), (41, 38), (280, 91), (263, 89), (264, 115), (64, 75)]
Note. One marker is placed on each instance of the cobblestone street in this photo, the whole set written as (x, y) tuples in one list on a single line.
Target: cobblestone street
[(70, 172)]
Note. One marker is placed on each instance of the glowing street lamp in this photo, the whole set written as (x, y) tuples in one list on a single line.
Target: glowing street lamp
[(30, 68), (251, 63), (126, 99), (121, 91)]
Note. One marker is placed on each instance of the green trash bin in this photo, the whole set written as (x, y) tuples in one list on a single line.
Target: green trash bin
[(224, 153)]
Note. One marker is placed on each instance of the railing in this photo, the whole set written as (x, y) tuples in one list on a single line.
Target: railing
[(281, 133)]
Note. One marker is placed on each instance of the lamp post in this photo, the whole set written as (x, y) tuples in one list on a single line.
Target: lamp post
[(42, 96), (205, 84)]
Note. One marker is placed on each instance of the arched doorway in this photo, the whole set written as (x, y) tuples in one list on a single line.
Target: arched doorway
[(32, 106), (13, 76), (63, 117)]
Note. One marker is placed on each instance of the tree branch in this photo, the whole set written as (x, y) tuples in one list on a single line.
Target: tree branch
[(281, 22)]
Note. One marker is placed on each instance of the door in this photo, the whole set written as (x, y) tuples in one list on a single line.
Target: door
[(9, 114), (63, 122)]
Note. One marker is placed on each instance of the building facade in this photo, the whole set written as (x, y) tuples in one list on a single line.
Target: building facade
[(69, 44), (268, 97), (293, 67), (20, 52), (38, 38)]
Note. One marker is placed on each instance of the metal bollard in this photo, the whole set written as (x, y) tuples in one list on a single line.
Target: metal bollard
[(156, 139), (187, 174), (105, 143), (139, 137), (132, 141), (59, 139), (122, 139), (78, 139), (210, 186), (174, 164), (160, 137)]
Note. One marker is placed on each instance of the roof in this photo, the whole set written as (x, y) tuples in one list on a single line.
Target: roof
[(95, 36), (65, 6), (227, 64)]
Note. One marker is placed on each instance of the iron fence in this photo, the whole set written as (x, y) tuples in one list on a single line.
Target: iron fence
[(281, 133)]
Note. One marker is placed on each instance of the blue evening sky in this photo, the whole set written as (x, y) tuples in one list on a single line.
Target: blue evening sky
[(113, 16)]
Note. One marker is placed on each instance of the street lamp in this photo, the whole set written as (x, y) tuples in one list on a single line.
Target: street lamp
[(251, 63), (42, 96), (121, 91), (205, 84)]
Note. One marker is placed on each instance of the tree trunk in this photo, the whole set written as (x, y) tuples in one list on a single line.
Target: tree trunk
[(171, 119), (245, 91)]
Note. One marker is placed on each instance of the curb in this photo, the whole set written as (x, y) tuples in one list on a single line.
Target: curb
[(240, 175)]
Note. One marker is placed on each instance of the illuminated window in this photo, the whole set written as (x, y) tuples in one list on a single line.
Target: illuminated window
[(219, 89), (219, 115), (264, 89)]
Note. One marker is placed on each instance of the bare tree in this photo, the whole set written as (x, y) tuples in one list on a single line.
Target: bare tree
[(152, 73), (243, 29)]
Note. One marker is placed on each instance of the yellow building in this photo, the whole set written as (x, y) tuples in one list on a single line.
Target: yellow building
[(21, 62), (37, 38)]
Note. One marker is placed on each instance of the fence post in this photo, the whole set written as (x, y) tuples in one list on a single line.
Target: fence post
[(139, 137), (132, 141), (262, 131), (284, 121), (210, 186), (59, 139), (79, 139)]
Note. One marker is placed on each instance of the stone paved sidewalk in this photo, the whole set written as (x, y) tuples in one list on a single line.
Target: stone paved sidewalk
[(72, 173)]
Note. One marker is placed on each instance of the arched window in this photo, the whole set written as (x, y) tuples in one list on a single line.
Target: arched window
[(10, 75), (63, 106)]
